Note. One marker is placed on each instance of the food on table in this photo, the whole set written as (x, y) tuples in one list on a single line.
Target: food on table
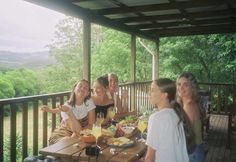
[(129, 120), (120, 141), (126, 131), (110, 131), (86, 136)]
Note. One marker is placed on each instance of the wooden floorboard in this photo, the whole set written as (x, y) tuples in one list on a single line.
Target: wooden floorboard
[(216, 141)]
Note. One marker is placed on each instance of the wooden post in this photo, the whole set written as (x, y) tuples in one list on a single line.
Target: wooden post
[(13, 133), (155, 61), (36, 127), (133, 71), (25, 130), (86, 49), (1, 131)]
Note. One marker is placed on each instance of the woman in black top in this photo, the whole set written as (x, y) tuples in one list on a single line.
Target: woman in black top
[(100, 98)]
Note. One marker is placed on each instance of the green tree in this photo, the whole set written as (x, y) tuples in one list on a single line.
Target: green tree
[(67, 49), (111, 54), (6, 88), (211, 58), (25, 82)]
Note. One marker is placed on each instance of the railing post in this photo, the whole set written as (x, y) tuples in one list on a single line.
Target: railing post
[(35, 127), (24, 130), (53, 115), (45, 125), (13, 133), (1, 132)]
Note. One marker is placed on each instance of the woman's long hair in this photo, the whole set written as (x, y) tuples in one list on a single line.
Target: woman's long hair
[(169, 87), (195, 97), (72, 99)]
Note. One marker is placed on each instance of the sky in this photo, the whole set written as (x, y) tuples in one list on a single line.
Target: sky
[(25, 27)]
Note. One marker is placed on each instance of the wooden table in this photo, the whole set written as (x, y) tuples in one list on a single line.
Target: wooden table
[(66, 151)]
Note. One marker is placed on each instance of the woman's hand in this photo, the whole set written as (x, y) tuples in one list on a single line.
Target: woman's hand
[(63, 108), (45, 108)]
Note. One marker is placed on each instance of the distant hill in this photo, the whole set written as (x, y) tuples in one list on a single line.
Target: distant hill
[(25, 60)]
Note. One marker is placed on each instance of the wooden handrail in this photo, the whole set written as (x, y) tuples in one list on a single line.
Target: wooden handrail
[(225, 93)]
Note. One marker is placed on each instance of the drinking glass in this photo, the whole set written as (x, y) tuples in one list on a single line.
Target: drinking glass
[(111, 113), (142, 125), (100, 118), (96, 132)]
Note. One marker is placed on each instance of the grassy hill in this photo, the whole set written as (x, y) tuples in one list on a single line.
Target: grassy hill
[(25, 60)]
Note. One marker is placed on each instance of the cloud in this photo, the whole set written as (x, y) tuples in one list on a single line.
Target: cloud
[(26, 26)]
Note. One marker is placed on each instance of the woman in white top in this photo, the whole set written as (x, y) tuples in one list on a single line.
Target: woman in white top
[(78, 112), (165, 137)]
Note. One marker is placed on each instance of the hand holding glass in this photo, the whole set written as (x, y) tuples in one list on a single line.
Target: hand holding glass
[(96, 131)]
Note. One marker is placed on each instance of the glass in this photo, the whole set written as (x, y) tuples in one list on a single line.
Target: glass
[(111, 113), (142, 125), (96, 131), (100, 118)]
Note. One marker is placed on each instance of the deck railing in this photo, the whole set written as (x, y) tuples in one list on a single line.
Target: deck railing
[(222, 101)]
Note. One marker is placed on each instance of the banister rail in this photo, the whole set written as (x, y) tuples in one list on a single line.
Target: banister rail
[(24, 104), (133, 95)]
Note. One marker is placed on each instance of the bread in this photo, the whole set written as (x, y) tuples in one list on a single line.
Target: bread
[(86, 136)]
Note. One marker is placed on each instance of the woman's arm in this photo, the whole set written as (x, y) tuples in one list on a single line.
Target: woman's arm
[(75, 124), (150, 155), (45, 108), (121, 106), (91, 118)]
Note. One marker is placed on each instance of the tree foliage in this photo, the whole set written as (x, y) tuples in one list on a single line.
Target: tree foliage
[(111, 54), (16, 83), (209, 57), (67, 49)]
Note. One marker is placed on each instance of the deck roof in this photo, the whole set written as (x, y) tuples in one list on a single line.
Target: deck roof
[(153, 18)]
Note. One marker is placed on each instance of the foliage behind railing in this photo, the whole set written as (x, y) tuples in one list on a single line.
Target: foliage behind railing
[(135, 96)]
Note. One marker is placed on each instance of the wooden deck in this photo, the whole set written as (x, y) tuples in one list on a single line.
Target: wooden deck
[(216, 141)]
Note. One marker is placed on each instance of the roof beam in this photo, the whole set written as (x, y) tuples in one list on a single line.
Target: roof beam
[(160, 7), (184, 23), (178, 16), (198, 30)]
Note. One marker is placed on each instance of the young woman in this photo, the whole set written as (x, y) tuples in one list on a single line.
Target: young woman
[(165, 137), (78, 112), (100, 98), (187, 97), (121, 103)]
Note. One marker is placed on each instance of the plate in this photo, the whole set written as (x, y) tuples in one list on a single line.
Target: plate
[(120, 142), (128, 129)]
